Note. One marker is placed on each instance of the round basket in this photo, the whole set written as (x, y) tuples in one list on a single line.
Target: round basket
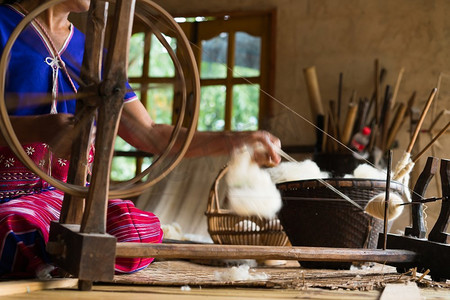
[(313, 215), (225, 227)]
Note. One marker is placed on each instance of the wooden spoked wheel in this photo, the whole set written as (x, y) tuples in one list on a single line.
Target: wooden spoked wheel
[(111, 86)]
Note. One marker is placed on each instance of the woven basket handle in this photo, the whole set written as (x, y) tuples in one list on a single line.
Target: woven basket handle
[(213, 204)]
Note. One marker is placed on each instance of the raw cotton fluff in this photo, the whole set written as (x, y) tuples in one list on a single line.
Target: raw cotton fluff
[(292, 171), (174, 232), (251, 192), (375, 206), (239, 273), (402, 173), (247, 225), (368, 172)]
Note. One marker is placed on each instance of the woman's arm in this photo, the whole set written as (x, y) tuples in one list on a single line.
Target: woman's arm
[(138, 129)]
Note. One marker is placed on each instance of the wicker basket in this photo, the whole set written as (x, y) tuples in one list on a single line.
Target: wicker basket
[(313, 215), (225, 227)]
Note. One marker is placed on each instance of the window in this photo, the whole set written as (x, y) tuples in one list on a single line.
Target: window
[(235, 56)]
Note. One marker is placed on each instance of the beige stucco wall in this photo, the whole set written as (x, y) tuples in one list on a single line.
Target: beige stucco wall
[(347, 36)]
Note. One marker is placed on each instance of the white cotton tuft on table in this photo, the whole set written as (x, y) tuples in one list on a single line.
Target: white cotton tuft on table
[(292, 171), (366, 171), (238, 274), (172, 231), (251, 191)]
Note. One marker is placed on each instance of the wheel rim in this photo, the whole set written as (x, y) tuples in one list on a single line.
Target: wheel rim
[(131, 187)]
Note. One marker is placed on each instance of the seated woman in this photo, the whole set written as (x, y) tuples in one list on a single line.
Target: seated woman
[(42, 59)]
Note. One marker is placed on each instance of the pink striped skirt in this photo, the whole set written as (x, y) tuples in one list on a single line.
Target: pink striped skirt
[(24, 231)]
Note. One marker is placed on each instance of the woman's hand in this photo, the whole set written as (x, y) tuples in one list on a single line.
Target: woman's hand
[(266, 146)]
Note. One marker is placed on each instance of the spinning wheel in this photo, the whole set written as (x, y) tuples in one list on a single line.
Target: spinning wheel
[(81, 230), (112, 86)]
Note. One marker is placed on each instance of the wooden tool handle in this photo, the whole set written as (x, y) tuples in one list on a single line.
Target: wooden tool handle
[(314, 92), (349, 123), (422, 117), (397, 85), (398, 120)]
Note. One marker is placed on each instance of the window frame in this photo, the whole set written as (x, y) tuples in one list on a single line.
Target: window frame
[(257, 23)]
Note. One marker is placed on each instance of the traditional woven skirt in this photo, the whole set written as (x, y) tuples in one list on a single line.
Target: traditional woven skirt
[(24, 231)]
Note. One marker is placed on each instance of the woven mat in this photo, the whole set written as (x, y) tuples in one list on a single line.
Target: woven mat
[(291, 276)]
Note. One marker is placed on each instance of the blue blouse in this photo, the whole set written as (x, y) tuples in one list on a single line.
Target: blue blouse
[(29, 77)]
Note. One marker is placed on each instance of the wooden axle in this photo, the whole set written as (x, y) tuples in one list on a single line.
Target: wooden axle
[(214, 251)]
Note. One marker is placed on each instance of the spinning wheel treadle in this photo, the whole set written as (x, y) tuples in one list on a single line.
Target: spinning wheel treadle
[(79, 241)]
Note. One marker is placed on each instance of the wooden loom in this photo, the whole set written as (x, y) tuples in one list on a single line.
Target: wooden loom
[(79, 242)]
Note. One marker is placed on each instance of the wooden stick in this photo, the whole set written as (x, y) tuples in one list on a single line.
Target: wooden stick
[(384, 118), (397, 85), (377, 91), (333, 128), (422, 117), (349, 123), (360, 123), (443, 130), (215, 251), (396, 124), (312, 86), (386, 198), (315, 100), (410, 104)]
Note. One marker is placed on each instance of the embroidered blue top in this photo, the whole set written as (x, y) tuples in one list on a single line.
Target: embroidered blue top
[(32, 65)]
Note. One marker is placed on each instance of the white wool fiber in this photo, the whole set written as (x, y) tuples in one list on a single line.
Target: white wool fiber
[(247, 225), (238, 274), (366, 171), (375, 206), (185, 288), (402, 164), (172, 231), (292, 171), (43, 272), (251, 191), (263, 201)]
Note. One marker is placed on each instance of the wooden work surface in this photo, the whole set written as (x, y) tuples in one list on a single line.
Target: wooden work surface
[(288, 276), (164, 280)]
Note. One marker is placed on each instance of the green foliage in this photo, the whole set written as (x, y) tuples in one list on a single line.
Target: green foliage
[(245, 107), (212, 103), (212, 109)]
